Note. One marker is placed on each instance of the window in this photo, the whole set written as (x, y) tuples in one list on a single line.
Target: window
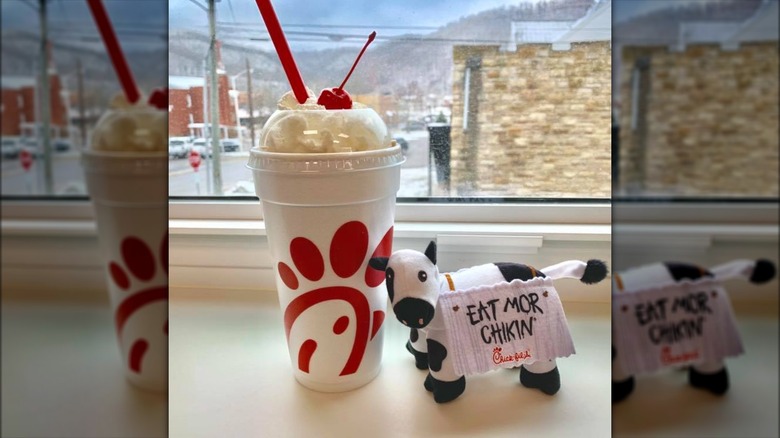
[(695, 100), (516, 155), (537, 170), (503, 100), (79, 87)]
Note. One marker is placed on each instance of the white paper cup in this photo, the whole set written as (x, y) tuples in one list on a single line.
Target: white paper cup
[(129, 193), (326, 215)]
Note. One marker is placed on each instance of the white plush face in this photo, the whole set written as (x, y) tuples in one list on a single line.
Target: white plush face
[(413, 287)]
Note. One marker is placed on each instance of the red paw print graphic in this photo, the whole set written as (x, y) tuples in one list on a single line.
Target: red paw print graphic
[(139, 262), (348, 257)]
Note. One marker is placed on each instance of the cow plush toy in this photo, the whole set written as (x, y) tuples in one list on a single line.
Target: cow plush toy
[(677, 315), (415, 287)]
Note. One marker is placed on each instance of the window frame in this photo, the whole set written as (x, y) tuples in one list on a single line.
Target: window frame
[(225, 248)]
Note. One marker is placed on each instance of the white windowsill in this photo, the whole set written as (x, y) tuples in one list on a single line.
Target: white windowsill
[(222, 246)]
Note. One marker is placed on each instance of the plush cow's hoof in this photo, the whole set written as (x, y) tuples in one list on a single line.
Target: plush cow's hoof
[(549, 382), (429, 382), (420, 358), (622, 389), (716, 383), (444, 392)]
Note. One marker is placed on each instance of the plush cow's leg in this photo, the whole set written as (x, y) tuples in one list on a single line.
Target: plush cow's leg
[(442, 380), (418, 346), (711, 376), (542, 375), (622, 382)]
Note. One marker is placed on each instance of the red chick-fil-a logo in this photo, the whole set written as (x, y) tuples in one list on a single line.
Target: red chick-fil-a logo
[(667, 358), (499, 358), (348, 250)]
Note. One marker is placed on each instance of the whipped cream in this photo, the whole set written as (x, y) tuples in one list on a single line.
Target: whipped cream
[(127, 127), (310, 128)]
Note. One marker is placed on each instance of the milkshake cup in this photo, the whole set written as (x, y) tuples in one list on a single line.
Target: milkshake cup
[(126, 170), (327, 180)]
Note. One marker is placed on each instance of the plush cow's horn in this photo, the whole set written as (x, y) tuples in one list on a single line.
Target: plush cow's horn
[(430, 252), (378, 263)]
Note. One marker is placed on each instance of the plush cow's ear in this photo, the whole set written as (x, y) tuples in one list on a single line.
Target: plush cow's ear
[(430, 252), (378, 263)]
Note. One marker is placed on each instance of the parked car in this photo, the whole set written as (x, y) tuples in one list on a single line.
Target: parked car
[(10, 147), (178, 148), (230, 145), (403, 143), (414, 125), (32, 146), (61, 145), (203, 149)]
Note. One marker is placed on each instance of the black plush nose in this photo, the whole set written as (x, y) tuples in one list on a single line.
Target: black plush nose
[(413, 312)]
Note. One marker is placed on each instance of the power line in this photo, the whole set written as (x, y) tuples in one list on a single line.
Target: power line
[(415, 38), (329, 26), (232, 14), (30, 4)]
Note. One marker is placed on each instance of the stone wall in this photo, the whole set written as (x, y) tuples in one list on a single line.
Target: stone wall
[(707, 122), (539, 123)]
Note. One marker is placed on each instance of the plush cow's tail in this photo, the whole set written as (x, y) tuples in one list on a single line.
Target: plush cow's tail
[(589, 273), (755, 271)]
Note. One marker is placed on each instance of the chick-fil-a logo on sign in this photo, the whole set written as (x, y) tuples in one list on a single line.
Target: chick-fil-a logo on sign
[(348, 257), (499, 357)]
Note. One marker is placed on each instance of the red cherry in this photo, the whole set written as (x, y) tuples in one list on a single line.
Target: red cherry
[(335, 98), (159, 98)]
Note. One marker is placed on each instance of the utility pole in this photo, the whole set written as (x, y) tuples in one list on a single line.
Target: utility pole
[(249, 101), (82, 113), (45, 101), (215, 147), (205, 136)]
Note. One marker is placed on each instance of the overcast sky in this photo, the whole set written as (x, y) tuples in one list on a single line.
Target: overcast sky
[(183, 13), (152, 15), (139, 23)]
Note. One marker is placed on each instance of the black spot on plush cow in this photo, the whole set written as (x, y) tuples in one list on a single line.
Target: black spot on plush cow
[(709, 375), (414, 284)]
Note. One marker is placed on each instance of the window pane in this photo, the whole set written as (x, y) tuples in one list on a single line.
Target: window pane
[(494, 99), (696, 107), (81, 83)]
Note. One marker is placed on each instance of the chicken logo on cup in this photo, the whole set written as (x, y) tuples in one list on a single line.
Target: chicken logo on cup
[(135, 276), (348, 256)]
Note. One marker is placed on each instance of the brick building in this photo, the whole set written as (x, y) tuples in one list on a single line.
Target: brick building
[(699, 116), (186, 105), (19, 106), (537, 111)]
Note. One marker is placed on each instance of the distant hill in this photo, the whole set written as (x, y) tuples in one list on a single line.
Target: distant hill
[(20, 58), (409, 62)]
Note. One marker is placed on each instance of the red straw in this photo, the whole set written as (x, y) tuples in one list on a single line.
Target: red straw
[(283, 50), (114, 51)]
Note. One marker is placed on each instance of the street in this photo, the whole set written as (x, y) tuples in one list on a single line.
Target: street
[(237, 179), (66, 172), (183, 181)]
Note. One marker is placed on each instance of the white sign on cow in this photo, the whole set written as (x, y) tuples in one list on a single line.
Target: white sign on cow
[(679, 324), (505, 325)]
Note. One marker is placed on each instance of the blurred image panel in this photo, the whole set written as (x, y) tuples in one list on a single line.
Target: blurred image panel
[(84, 218), (695, 222)]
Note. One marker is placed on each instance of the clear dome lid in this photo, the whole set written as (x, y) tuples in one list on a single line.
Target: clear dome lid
[(325, 131), (131, 128)]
